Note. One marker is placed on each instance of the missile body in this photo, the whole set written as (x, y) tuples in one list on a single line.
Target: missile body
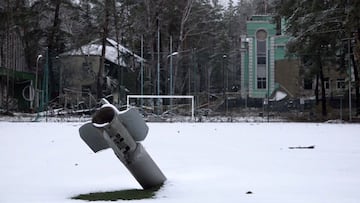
[(122, 131)]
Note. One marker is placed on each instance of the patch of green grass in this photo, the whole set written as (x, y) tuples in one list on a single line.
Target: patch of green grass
[(134, 194)]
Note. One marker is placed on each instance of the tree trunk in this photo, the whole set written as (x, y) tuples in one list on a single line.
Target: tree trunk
[(120, 73), (182, 37), (7, 33), (356, 58), (150, 44), (52, 43), (357, 86), (323, 95), (100, 79), (317, 89)]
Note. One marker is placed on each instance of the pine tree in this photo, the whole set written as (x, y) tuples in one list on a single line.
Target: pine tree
[(318, 29)]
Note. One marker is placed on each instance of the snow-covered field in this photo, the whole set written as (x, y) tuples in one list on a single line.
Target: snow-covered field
[(204, 162)]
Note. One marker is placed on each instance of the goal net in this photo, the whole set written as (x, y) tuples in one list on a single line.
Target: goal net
[(164, 106)]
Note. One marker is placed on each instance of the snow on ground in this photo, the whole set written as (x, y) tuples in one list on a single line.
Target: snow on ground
[(204, 162)]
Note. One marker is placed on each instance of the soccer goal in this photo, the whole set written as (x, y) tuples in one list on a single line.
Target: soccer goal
[(159, 100)]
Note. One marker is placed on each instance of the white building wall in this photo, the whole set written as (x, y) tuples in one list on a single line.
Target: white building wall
[(251, 66), (272, 64), (243, 85), (13, 53)]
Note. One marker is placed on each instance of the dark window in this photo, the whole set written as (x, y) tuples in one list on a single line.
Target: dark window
[(261, 83), (340, 83), (308, 83), (261, 60), (327, 83), (85, 89)]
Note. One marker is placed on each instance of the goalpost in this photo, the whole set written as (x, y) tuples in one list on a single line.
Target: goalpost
[(162, 97)]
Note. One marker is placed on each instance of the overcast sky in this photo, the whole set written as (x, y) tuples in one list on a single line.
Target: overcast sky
[(224, 2)]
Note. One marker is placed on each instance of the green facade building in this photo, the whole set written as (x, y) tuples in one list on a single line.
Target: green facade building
[(262, 47)]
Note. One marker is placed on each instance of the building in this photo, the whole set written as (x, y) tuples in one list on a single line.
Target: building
[(269, 72), (266, 68), (16, 77), (78, 71)]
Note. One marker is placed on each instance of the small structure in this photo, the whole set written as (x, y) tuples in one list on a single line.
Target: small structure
[(78, 71), (17, 79), (122, 132)]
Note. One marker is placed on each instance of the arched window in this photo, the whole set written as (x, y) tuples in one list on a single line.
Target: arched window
[(261, 58)]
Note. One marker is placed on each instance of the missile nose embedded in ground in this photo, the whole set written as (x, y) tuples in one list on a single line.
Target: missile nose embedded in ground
[(123, 131)]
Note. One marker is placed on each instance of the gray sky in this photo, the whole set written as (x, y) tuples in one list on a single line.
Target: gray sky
[(224, 2)]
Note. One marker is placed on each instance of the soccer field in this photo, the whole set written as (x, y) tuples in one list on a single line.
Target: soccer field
[(203, 162)]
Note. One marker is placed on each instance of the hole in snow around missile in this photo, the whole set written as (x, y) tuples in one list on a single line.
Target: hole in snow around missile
[(132, 194)]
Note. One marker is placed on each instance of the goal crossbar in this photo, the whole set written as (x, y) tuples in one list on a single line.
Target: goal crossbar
[(162, 97)]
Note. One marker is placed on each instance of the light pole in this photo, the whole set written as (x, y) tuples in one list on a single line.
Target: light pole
[(349, 64), (45, 84), (223, 77), (142, 70), (59, 64), (36, 82), (268, 85), (158, 62), (347, 11), (158, 70), (349, 70), (171, 67), (171, 71)]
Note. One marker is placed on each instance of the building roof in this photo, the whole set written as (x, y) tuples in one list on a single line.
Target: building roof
[(94, 48)]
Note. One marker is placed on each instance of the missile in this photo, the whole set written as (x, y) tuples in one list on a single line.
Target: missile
[(122, 131)]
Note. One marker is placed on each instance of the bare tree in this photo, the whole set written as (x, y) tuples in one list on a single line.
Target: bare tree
[(182, 37), (105, 31)]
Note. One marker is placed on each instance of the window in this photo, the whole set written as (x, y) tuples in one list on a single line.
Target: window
[(308, 83), (261, 83), (327, 83), (261, 35), (261, 71), (261, 47), (261, 60), (261, 57), (340, 83)]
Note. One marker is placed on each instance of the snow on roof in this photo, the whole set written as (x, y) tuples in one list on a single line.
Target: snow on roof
[(111, 54), (279, 95)]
